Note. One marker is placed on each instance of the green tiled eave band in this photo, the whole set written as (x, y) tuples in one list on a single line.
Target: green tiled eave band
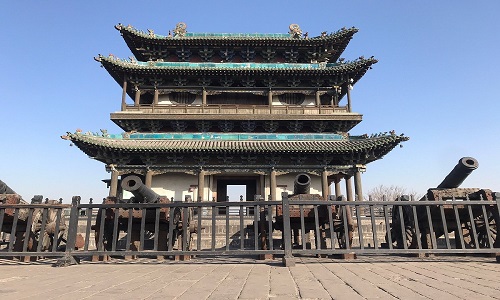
[(152, 65), (348, 145)]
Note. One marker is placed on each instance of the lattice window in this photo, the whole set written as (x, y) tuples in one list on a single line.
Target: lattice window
[(182, 98), (292, 98)]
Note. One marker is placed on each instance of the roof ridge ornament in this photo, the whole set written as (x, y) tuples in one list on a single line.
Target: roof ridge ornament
[(295, 31), (180, 29)]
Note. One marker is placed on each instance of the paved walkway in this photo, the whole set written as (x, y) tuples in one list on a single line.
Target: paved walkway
[(381, 277)]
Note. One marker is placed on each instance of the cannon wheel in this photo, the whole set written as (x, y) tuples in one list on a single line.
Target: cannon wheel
[(342, 239), (482, 231), (47, 240), (409, 231), (190, 223), (339, 227), (179, 230)]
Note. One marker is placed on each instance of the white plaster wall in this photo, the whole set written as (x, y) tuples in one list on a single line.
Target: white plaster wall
[(176, 185)]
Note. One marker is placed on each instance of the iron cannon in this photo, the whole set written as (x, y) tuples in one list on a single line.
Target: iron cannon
[(302, 184), (142, 193), (303, 217), (464, 167), (457, 217), (41, 227), (134, 221)]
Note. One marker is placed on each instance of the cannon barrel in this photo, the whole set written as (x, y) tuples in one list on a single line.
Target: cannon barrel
[(5, 189), (302, 184), (462, 170), (141, 192)]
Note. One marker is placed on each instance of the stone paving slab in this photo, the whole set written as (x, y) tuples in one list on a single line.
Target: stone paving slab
[(370, 277)]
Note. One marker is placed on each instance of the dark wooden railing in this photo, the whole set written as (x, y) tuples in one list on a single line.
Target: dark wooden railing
[(238, 109)]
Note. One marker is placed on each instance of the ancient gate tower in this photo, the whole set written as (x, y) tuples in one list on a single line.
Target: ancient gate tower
[(202, 111)]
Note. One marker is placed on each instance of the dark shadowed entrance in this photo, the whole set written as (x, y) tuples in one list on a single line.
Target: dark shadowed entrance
[(250, 189)]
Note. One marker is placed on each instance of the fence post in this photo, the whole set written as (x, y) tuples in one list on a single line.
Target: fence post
[(496, 214), (288, 260), (68, 258)]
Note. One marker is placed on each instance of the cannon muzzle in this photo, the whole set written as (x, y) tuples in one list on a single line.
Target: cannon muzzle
[(302, 184), (461, 171), (142, 193)]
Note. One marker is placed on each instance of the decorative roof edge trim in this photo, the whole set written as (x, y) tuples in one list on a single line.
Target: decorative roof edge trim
[(341, 33), (132, 63)]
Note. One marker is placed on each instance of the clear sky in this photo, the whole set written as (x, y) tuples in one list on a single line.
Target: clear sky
[(436, 81)]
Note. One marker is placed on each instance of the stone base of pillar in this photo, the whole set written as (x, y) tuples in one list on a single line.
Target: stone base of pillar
[(288, 261)]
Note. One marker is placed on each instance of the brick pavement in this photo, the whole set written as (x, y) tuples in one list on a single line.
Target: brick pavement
[(381, 277)]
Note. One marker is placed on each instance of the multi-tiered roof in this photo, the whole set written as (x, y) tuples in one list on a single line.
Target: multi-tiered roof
[(229, 100)]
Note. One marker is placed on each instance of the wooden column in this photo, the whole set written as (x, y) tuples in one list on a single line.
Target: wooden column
[(270, 98), (262, 182), (124, 94), (348, 188), (201, 185), (357, 185), (155, 99), (348, 96), (318, 100), (137, 98), (336, 181), (149, 178), (272, 183), (324, 184), (113, 186), (358, 190), (204, 97)]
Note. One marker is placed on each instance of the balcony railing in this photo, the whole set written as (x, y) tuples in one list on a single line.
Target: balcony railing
[(238, 109)]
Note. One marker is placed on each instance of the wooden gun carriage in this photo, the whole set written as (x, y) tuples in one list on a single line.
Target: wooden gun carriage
[(305, 218), (475, 225), (36, 227), (141, 221)]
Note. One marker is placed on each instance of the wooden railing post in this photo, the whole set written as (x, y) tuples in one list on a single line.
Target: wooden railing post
[(68, 258), (288, 260)]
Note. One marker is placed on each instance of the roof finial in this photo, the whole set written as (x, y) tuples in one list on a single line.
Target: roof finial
[(180, 29), (295, 31)]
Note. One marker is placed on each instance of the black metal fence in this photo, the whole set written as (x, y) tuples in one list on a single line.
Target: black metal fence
[(286, 228)]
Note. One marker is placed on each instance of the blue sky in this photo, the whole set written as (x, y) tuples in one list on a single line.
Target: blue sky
[(436, 81)]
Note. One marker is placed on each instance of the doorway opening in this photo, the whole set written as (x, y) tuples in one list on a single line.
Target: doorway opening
[(236, 189)]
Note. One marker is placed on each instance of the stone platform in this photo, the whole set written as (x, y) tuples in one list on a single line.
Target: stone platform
[(369, 277)]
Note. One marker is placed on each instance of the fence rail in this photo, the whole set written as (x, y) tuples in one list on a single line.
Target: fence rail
[(285, 228)]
